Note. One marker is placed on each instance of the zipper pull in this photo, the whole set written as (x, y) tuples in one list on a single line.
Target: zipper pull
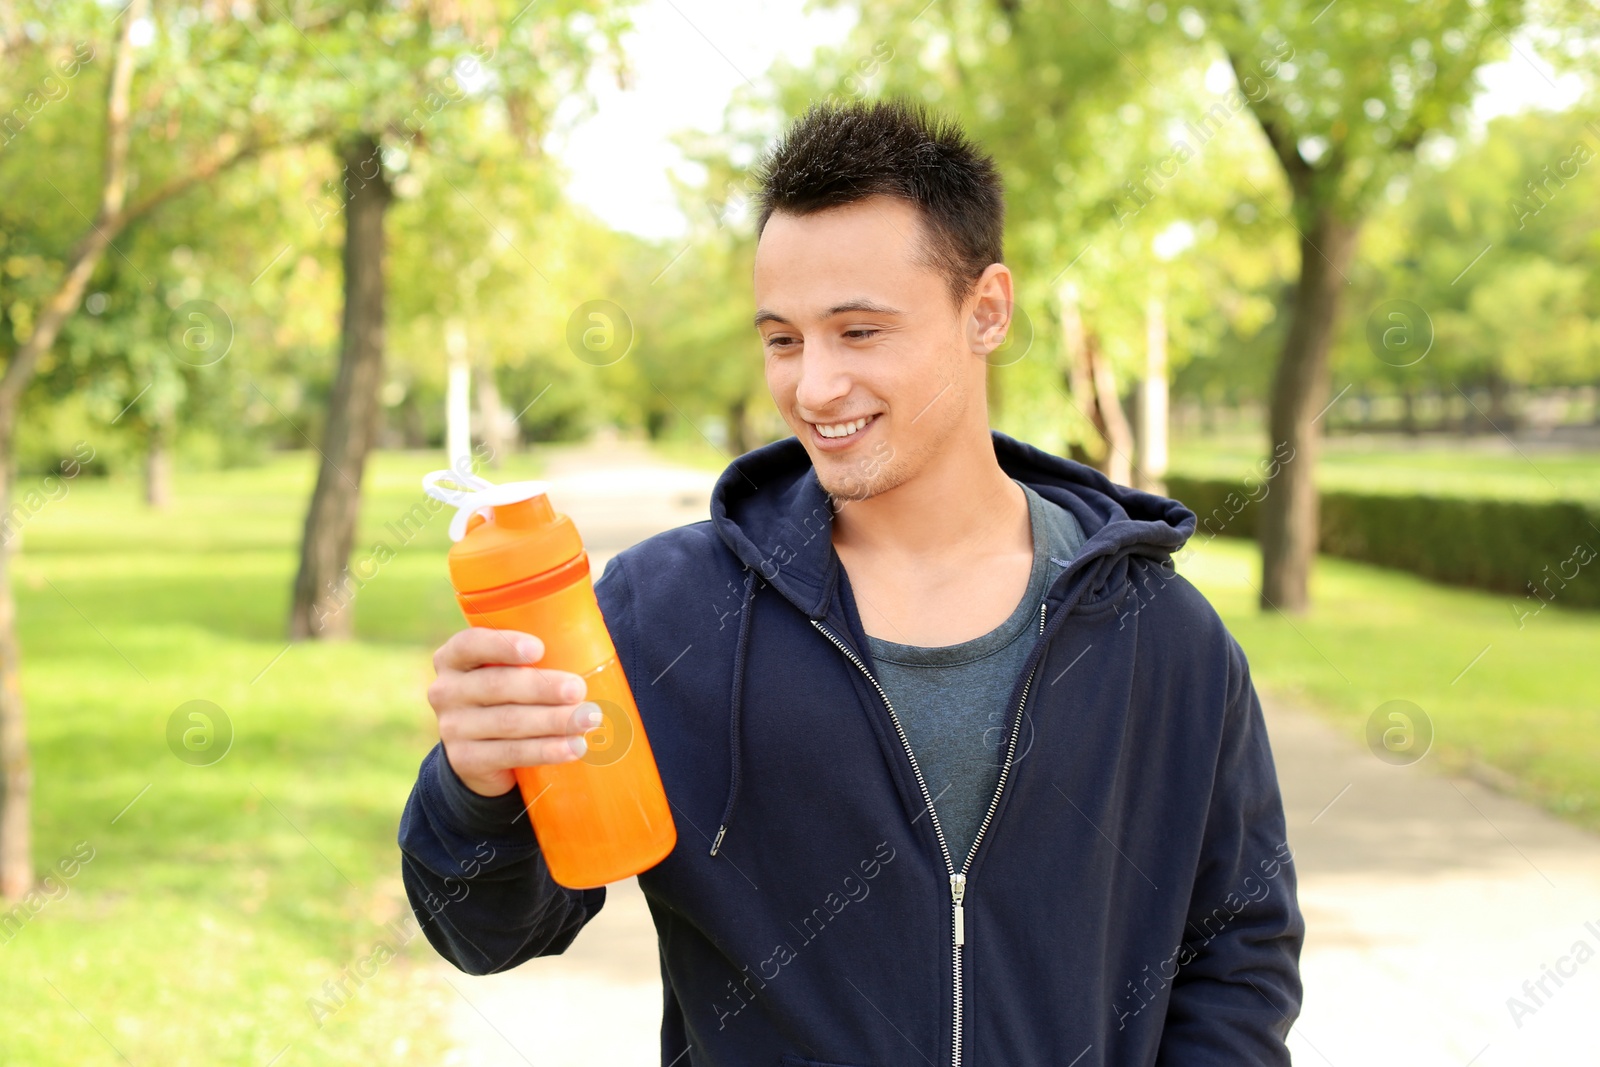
[(958, 889)]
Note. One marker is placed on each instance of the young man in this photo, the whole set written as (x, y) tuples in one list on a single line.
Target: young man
[(963, 772)]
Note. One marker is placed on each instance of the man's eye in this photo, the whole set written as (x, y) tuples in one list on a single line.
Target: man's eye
[(860, 335), (778, 340)]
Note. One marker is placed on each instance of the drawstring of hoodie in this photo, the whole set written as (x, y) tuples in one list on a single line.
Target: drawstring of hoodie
[(736, 705)]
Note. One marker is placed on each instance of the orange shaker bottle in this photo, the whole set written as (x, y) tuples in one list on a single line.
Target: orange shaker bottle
[(517, 564)]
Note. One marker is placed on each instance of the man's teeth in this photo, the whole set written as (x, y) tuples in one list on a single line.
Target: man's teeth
[(842, 429)]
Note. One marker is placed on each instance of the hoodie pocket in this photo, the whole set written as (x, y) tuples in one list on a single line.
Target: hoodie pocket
[(791, 1060)]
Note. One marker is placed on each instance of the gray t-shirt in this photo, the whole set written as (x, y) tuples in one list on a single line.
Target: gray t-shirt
[(953, 700)]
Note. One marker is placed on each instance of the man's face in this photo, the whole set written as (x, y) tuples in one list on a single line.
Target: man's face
[(854, 328)]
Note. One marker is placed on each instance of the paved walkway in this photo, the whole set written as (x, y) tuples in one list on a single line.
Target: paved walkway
[(1429, 901)]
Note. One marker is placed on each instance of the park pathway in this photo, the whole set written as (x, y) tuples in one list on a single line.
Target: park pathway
[(1429, 900)]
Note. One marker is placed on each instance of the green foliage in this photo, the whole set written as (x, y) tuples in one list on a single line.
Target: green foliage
[(1495, 239)]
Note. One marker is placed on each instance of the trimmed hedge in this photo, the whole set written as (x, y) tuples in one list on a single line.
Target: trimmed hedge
[(1546, 550)]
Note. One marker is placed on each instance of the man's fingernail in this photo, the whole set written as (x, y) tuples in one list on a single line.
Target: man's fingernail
[(590, 713), (578, 745), (529, 651), (573, 690)]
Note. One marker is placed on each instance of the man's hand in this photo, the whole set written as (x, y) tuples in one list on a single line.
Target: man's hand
[(493, 717)]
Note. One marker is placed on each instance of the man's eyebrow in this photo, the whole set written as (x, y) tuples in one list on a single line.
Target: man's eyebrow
[(869, 306)]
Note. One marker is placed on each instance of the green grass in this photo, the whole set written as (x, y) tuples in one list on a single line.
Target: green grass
[(1529, 706), (1485, 465), (220, 902)]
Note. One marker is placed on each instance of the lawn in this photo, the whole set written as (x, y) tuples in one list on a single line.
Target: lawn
[(219, 900), (1521, 699), (217, 905)]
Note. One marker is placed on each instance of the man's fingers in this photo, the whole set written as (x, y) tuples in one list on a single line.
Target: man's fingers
[(479, 645), (519, 722), (488, 686), (488, 757)]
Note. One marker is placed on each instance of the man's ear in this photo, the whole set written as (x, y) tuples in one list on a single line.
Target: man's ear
[(991, 306)]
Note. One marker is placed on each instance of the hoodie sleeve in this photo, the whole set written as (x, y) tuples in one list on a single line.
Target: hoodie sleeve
[(1237, 989), (471, 864), (476, 880)]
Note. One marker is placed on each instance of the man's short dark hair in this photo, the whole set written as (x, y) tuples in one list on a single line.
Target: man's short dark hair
[(838, 154)]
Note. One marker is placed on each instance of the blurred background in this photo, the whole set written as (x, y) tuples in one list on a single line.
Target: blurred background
[(1325, 272)]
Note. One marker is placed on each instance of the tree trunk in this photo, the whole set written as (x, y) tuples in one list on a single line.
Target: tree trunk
[(1408, 412), (1113, 423), (1289, 513), (1500, 403), (491, 414), (1080, 379), (1153, 406), (739, 426), (157, 469), (322, 591), (16, 768)]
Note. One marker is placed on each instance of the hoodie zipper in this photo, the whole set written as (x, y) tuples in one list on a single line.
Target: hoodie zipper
[(958, 879)]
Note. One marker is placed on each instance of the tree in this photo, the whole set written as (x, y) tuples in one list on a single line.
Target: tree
[(398, 55), (353, 407), (1342, 119), (130, 188)]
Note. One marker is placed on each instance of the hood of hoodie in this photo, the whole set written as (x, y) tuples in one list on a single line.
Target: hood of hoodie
[(769, 508), (771, 511)]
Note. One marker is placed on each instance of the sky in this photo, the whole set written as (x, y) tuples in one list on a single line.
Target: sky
[(689, 56)]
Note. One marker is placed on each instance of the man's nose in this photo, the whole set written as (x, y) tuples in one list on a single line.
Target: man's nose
[(824, 378)]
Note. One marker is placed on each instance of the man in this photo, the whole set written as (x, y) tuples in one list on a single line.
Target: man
[(963, 772)]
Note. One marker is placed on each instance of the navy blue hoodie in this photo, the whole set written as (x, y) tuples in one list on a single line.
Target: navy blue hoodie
[(1129, 900)]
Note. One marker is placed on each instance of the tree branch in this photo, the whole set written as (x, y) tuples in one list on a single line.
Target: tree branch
[(86, 255), (1275, 123)]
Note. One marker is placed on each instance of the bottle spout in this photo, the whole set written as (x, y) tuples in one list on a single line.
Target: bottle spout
[(529, 514), (518, 505)]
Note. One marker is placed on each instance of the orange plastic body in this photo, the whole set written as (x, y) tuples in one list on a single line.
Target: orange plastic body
[(603, 817)]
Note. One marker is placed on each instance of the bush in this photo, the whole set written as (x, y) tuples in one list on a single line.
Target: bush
[(1546, 549)]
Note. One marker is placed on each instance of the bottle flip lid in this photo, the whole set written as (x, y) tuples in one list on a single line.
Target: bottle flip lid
[(517, 535)]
